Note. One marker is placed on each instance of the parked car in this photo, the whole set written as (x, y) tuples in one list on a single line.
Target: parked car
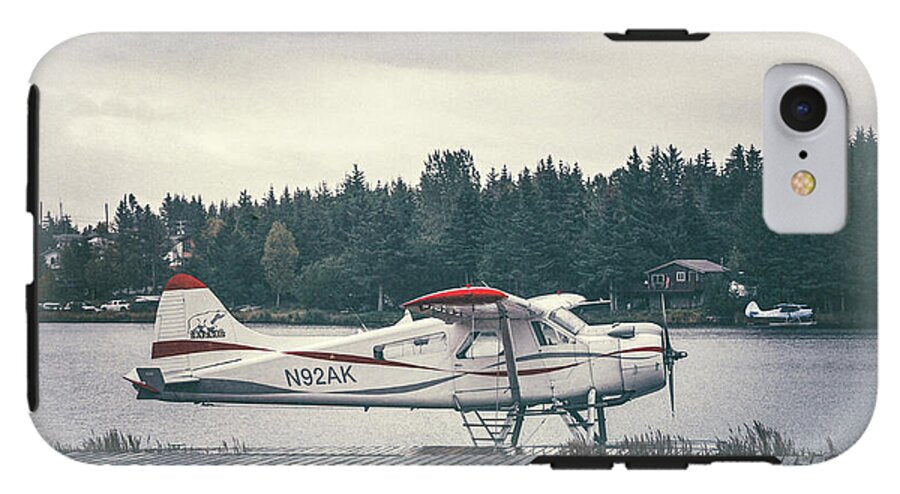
[(80, 306), (115, 306), (248, 308), (50, 306), (146, 303)]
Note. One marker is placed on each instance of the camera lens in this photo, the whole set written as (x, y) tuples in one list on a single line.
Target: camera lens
[(803, 108)]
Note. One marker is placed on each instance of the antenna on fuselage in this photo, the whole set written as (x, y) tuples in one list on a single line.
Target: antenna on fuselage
[(361, 323)]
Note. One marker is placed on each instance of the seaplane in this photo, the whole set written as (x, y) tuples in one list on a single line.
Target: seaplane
[(781, 315), (491, 356)]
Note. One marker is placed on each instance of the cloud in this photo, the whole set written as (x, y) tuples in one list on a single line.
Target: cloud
[(214, 114)]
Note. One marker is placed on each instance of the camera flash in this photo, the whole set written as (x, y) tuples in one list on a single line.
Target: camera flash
[(803, 183)]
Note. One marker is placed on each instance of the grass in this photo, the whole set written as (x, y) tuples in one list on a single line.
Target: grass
[(749, 440), (577, 447), (112, 441), (657, 443), (235, 446), (757, 439), (650, 443), (115, 441)]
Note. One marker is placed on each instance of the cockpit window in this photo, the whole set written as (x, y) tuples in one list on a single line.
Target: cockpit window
[(567, 320), (411, 347), (481, 343), (544, 334)]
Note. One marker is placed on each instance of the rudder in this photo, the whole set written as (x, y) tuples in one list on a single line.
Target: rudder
[(193, 329)]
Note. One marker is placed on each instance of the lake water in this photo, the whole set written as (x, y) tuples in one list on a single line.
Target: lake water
[(807, 383)]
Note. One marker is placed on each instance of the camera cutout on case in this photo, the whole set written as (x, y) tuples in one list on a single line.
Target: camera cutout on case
[(805, 138)]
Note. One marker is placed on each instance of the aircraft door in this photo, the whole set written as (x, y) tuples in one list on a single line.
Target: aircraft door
[(530, 348), (558, 355), (479, 366)]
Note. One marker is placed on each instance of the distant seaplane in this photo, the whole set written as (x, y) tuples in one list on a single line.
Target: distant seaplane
[(780, 315), (493, 357)]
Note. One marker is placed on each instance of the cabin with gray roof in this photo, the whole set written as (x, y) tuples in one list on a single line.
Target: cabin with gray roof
[(684, 281)]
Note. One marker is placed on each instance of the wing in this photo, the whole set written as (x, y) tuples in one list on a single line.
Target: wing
[(467, 302), (549, 303)]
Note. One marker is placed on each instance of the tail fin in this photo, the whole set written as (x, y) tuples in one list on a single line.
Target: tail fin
[(194, 330), (751, 309)]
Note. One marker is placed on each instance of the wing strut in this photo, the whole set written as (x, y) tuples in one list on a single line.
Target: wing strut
[(512, 373)]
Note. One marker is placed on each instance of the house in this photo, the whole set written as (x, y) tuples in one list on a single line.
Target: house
[(181, 251), (52, 257), (99, 242), (684, 281), (53, 254)]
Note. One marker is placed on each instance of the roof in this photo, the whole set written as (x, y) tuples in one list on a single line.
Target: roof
[(67, 237), (698, 265)]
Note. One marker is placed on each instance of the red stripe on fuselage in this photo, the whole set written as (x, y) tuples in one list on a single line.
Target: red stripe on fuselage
[(523, 372), (354, 359), (358, 359), (173, 348), (638, 349)]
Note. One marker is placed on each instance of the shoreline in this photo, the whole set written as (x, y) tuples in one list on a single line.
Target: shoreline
[(294, 317), (376, 320)]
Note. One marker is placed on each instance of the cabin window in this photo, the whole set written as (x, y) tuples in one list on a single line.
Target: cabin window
[(569, 321), (544, 334), (479, 344), (411, 347), (680, 276), (658, 279)]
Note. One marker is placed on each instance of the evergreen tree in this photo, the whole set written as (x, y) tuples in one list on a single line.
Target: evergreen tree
[(546, 228)]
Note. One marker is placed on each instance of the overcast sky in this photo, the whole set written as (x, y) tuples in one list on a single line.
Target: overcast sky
[(215, 114)]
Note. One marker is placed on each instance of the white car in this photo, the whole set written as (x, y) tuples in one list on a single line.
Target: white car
[(80, 307), (115, 306)]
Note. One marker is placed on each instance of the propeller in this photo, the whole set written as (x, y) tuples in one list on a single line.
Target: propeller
[(670, 355)]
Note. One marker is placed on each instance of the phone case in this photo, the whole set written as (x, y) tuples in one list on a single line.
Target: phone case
[(438, 249)]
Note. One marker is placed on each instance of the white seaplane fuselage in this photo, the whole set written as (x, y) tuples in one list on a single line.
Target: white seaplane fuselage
[(204, 355), (781, 314)]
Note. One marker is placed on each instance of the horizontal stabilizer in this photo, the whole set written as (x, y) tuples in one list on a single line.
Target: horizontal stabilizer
[(147, 380)]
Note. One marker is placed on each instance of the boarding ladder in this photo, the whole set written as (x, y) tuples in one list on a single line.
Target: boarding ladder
[(501, 425), (497, 427)]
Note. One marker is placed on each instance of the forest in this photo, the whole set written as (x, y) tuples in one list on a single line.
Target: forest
[(545, 228)]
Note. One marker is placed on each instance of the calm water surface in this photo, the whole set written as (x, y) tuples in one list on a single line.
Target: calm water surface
[(808, 383)]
